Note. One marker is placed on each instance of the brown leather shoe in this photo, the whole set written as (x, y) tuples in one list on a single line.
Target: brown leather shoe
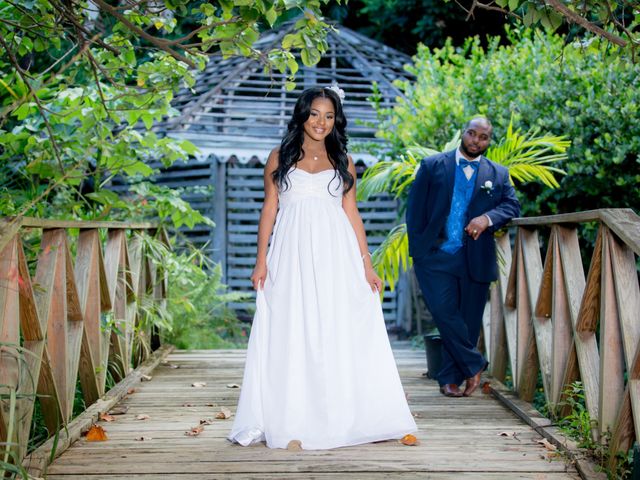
[(450, 390), (473, 382)]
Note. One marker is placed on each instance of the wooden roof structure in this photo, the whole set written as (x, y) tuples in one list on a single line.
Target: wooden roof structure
[(236, 109)]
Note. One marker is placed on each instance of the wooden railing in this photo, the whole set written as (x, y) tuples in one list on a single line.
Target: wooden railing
[(549, 319), (63, 320)]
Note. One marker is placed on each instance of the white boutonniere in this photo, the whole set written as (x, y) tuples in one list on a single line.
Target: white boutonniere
[(487, 187)]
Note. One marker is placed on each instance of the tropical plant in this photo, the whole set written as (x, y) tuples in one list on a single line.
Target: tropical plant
[(528, 157)]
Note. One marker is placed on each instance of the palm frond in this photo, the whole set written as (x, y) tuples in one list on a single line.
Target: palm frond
[(391, 176), (392, 256)]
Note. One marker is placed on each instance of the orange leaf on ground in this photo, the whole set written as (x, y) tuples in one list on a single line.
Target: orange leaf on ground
[(547, 444), (194, 431), (131, 390), (105, 417), (223, 414), (486, 388), (410, 440), (96, 434), (294, 446)]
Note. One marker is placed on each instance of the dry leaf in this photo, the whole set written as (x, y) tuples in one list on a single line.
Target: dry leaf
[(223, 414), (119, 410), (210, 405), (548, 445), (187, 404), (143, 416), (145, 378), (416, 415), (206, 421), (199, 384), (294, 446), (194, 431), (142, 439), (96, 434), (486, 388), (410, 440), (233, 385), (131, 390), (105, 417), (504, 434), (171, 365)]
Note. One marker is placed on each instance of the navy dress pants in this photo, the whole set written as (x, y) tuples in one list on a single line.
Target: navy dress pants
[(457, 305)]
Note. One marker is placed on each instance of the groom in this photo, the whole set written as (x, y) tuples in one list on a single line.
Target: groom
[(457, 201)]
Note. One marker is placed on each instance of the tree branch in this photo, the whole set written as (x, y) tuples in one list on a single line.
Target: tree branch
[(158, 42), (574, 17)]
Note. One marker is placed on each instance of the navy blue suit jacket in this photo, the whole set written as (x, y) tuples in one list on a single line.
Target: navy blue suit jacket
[(430, 201)]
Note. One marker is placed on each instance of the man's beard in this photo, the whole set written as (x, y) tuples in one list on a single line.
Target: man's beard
[(464, 149)]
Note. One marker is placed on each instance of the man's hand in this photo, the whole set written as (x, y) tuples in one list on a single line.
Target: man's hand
[(477, 226)]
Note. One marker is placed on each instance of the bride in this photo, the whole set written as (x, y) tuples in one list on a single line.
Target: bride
[(319, 367)]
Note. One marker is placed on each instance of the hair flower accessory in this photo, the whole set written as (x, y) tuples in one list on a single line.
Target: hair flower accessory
[(338, 91), (487, 187)]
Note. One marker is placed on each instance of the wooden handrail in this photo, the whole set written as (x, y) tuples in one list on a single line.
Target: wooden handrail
[(74, 319), (549, 318)]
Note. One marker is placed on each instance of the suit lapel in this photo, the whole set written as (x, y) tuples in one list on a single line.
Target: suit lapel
[(450, 169), (484, 174)]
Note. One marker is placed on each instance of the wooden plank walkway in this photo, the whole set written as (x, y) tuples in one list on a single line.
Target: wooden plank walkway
[(460, 438)]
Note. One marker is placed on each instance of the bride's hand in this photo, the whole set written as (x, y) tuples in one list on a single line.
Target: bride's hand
[(258, 276), (373, 279)]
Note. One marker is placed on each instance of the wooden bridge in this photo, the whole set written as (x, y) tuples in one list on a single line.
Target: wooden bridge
[(64, 318)]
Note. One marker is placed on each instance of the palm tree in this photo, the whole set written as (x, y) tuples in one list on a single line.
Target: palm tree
[(527, 156)]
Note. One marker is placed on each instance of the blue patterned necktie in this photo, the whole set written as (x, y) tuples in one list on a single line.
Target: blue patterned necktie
[(466, 163)]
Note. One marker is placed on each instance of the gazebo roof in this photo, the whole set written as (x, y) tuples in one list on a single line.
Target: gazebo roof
[(239, 110)]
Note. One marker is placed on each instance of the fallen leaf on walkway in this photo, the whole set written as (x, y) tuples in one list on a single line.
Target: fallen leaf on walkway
[(119, 410), (199, 384), (105, 417), (294, 446), (131, 390), (187, 404), (233, 385), (145, 378), (206, 421), (210, 405), (96, 434), (143, 416), (486, 388), (410, 440), (223, 414), (513, 435), (416, 415), (142, 439), (194, 431), (547, 444)]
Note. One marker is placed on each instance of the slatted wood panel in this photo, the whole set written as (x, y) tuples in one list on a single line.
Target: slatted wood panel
[(552, 318), (245, 193), (53, 328), (459, 437)]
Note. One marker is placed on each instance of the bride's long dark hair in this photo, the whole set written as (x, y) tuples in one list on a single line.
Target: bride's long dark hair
[(291, 151)]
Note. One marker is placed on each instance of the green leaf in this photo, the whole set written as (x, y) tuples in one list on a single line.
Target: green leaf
[(310, 56)]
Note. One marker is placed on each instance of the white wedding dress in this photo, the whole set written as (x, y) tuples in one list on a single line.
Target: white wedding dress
[(319, 367)]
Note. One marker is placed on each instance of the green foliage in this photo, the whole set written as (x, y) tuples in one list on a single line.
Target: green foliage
[(616, 21), (582, 92), (196, 314), (528, 157), (579, 426)]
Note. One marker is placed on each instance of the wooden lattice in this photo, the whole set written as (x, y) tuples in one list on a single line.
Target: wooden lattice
[(54, 326), (549, 319)]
